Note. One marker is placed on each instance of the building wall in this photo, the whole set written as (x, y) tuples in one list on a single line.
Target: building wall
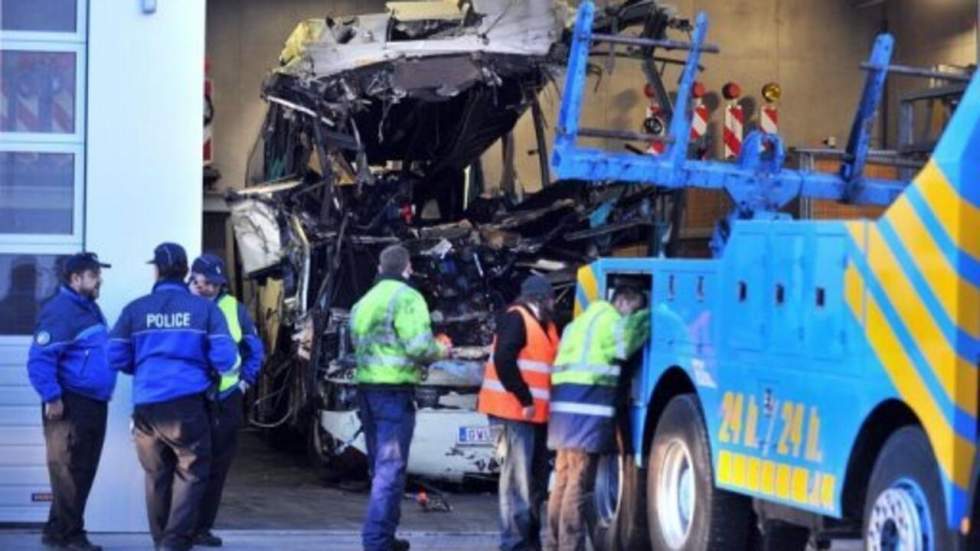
[(928, 32), (143, 187), (813, 49), (244, 38), (934, 31)]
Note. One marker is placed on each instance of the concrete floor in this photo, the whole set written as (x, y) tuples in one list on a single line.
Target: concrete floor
[(272, 490), (274, 500), (268, 540)]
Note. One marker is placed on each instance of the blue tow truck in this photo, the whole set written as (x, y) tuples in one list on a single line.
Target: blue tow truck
[(815, 378)]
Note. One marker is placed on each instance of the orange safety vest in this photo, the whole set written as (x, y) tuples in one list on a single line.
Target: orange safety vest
[(535, 362)]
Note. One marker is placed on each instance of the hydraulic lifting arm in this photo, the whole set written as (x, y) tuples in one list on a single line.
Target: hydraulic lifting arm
[(757, 181)]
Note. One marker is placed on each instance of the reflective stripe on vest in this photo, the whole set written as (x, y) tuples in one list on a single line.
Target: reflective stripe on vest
[(534, 367), (539, 393), (603, 370), (589, 368), (583, 409), (379, 360), (229, 307), (534, 361)]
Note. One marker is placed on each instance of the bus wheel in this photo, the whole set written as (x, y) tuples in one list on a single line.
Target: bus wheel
[(685, 511), (904, 507)]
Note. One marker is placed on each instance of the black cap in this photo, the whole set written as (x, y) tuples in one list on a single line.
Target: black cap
[(81, 262), (168, 255), (211, 267), (537, 286)]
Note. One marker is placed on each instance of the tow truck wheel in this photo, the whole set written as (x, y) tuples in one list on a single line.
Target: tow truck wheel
[(904, 507), (617, 518), (685, 511)]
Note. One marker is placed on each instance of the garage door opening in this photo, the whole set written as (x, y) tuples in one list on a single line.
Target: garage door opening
[(420, 123)]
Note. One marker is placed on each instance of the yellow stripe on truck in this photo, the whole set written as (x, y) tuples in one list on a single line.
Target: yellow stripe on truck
[(590, 287), (955, 215), (959, 298), (954, 453), (953, 372)]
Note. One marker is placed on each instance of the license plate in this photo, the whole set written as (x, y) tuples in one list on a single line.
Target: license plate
[(475, 436)]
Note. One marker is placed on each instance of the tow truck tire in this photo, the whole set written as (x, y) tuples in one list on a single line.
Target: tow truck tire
[(904, 507), (685, 511), (617, 517)]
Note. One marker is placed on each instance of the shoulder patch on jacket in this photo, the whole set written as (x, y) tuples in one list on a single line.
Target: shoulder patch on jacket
[(42, 338)]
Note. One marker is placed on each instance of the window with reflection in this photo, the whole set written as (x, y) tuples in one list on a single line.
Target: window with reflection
[(26, 282), (38, 91), (37, 192), (42, 150), (39, 15)]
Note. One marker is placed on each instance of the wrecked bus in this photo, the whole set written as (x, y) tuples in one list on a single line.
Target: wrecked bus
[(375, 130)]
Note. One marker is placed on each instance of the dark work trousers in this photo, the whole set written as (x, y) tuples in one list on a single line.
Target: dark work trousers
[(226, 419), (575, 472), (388, 421), (173, 443), (522, 451), (74, 446)]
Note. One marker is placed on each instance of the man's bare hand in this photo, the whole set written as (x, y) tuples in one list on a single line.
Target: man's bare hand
[(55, 410), (528, 412)]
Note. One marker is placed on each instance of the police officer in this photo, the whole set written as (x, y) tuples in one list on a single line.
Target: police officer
[(392, 335), (515, 396), (68, 369), (208, 280), (584, 389), (175, 345)]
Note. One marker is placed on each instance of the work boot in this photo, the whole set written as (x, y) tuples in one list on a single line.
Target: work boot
[(400, 545), (183, 544), (81, 544), (207, 539)]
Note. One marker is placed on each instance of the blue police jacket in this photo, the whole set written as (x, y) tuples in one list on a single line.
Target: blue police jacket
[(173, 343), (69, 349)]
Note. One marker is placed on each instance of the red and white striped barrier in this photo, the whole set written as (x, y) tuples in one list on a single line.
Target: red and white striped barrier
[(208, 117), (699, 120), (734, 120), (40, 94), (769, 119), (769, 114), (31, 114), (653, 122)]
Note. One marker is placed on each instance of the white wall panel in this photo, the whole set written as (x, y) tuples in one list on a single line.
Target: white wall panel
[(146, 74)]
